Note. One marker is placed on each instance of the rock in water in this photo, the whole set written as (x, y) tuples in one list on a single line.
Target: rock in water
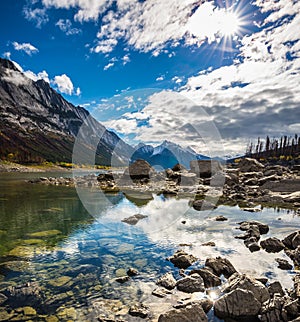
[(140, 169), (168, 281), (236, 304), (272, 245), (220, 266), (190, 313), (182, 260), (191, 284)]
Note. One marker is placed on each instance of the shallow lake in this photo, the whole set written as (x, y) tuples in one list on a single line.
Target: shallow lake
[(74, 255)]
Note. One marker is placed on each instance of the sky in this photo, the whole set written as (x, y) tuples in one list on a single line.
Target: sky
[(207, 74)]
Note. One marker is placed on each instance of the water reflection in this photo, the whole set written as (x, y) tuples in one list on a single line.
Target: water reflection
[(48, 237)]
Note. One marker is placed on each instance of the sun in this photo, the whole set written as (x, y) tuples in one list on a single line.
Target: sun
[(229, 23)]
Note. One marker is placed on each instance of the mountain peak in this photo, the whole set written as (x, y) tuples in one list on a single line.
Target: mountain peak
[(8, 64)]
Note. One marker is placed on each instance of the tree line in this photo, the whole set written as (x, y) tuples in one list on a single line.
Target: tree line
[(285, 146)]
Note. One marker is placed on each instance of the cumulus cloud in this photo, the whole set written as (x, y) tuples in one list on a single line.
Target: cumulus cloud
[(66, 27), (108, 66), (26, 47), (160, 78), (41, 75), (37, 15), (65, 85)]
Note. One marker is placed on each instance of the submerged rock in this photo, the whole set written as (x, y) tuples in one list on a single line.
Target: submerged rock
[(202, 205), (209, 279), (133, 220), (161, 292), (139, 310)]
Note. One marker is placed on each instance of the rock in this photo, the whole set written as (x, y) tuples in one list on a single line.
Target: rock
[(132, 272), (262, 279), (275, 287), (133, 220), (168, 281), (182, 260), (209, 279), (140, 169), (122, 279), (202, 205), (296, 279), (236, 304), (253, 247), (205, 168), (292, 241), (244, 282), (187, 179), (285, 185), (283, 264), (60, 281), (272, 311), (272, 245), (251, 209), (192, 312), (291, 308), (45, 233), (3, 298), (220, 266), (250, 165), (221, 218), (191, 284), (139, 310), (246, 225), (292, 197), (178, 167), (211, 244), (161, 292), (28, 310)]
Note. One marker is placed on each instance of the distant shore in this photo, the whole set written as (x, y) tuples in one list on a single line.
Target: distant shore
[(6, 166)]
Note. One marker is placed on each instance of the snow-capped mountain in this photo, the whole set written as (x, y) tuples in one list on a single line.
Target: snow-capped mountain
[(166, 155)]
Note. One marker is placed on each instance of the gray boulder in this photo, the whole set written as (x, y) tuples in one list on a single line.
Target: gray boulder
[(181, 259), (168, 281), (272, 245), (205, 168), (191, 284), (220, 266), (250, 165)]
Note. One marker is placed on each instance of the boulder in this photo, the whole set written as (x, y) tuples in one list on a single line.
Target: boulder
[(221, 218), (250, 165), (167, 280), (133, 220), (292, 241), (202, 205), (247, 283), (272, 310), (161, 292), (272, 245), (139, 310), (209, 279), (178, 167), (220, 266), (3, 298), (237, 304), (191, 284), (283, 264), (132, 272), (140, 169), (275, 287), (205, 168), (181, 259), (246, 225), (192, 312)]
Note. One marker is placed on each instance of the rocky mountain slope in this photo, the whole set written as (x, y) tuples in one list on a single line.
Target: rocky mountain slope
[(37, 123)]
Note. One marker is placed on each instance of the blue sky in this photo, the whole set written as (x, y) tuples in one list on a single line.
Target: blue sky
[(153, 70)]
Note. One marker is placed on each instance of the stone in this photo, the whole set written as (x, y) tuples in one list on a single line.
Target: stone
[(247, 283), (209, 279), (45, 234), (178, 167), (122, 279), (181, 259), (139, 310), (246, 225), (236, 304), (202, 205), (283, 264), (252, 209), (3, 298), (161, 292), (272, 310), (192, 312), (253, 247), (272, 245), (132, 272), (250, 165), (275, 287), (220, 266), (140, 169), (133, 220), (221, 218), (52, 318), (292, 241), (28, 310), (211, 244), (167, 280), (191, 284), (60, 281)]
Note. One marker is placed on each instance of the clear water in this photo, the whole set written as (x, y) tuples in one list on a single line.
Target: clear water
[(47, 236)]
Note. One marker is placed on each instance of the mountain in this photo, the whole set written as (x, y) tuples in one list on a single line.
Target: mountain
[(38, 124), (166, 155)]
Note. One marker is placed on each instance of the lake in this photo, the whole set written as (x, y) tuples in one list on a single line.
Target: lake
[(73, 256)]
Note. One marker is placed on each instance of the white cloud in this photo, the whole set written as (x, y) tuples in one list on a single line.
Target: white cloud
[(64, 84), (38, 15), (160, 78), (126, 59), (41, 75), (7, 54), (177, 80), (26, 47), (78, 91), (86, 10), (108, 66), (66, 27)]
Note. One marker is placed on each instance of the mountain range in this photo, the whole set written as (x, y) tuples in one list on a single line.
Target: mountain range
[(38, 124)]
